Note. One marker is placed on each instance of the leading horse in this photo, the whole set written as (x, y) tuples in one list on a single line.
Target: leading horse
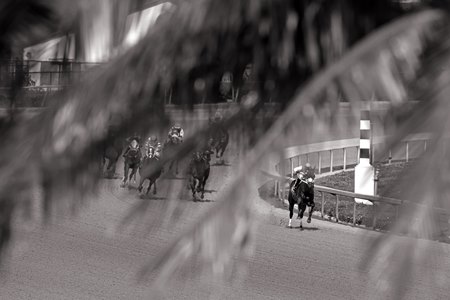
[(199, 169), (132, 160), (150, 170), (301, 192)]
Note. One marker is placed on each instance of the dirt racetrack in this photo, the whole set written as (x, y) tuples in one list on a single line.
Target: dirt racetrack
[(85, 257)]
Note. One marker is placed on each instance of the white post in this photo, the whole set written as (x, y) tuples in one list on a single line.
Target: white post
[(364, 171), (331, 161), (345, 159), (320, 163), (407, 151), (292, 166)]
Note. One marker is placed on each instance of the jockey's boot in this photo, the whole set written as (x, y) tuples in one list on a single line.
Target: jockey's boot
[(290, 221), (309, 219)]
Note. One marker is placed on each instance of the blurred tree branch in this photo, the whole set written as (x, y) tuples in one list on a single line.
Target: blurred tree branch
[(286, 42)]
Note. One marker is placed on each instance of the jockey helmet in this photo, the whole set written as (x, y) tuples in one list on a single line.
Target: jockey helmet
[(298, 169), (153, 138), (310, 180), (134, 143), (218, 116), (308, 165), (176, 125)]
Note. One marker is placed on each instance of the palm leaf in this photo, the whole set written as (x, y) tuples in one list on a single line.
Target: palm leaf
[(418, 30), (130, 89)]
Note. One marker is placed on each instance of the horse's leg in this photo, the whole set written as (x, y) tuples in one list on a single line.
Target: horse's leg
[(170, 165), (311, 209), (205, 178), (176, 166), (125, 174), (198, 184), (291, 212), (150, 182), (102, 165), (192, 183), (202, 187), (141, 182), (154, 187), (301, 210), (133, 174)]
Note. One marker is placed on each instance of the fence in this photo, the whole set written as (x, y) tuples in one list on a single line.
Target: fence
[(340, 155), (42, 73), (328, 161), (350, 196)]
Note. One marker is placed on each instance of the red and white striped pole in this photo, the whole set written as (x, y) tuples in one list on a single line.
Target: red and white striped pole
[(364, 171)]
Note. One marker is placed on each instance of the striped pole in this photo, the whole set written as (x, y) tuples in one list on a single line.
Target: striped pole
[(364, 138), (364, 171)]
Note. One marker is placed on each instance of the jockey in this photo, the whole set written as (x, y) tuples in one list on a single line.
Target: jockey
[(309, 171), (133, 142), (216, 124), (217, 117), (152, 143), (177, 131), (298, 171)]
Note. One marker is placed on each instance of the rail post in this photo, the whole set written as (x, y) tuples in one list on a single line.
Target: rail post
[(320, 163), (331, 161), (354, 213), (337, 208), (407, 151), (345, 159), (275, 190), (322, 209), (357, 154), (375, 212), (291, 162)]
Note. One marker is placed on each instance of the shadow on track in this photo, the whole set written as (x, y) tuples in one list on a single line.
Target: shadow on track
[(304, 228)]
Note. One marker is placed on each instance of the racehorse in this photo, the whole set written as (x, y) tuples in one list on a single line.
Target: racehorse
[(301, 192), (220, 142), (132, 160), (169, 148), (148, 171), (111, 151), (199, 169)]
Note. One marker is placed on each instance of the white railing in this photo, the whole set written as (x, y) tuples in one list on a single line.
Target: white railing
[(350, 197), (341, 154)]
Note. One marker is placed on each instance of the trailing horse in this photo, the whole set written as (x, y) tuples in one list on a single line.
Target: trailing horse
[(199, 169), (111, 151), (170, 147), (150, 170), (220, 142), (301, 192), (132, 160)]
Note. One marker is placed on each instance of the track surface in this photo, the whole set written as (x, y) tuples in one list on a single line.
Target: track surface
[(84, 257)]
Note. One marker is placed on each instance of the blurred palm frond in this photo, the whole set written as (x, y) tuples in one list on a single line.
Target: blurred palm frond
[(286, 42)]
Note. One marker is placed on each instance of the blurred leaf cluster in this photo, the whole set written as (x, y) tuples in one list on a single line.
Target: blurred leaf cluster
[(304, 55)]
